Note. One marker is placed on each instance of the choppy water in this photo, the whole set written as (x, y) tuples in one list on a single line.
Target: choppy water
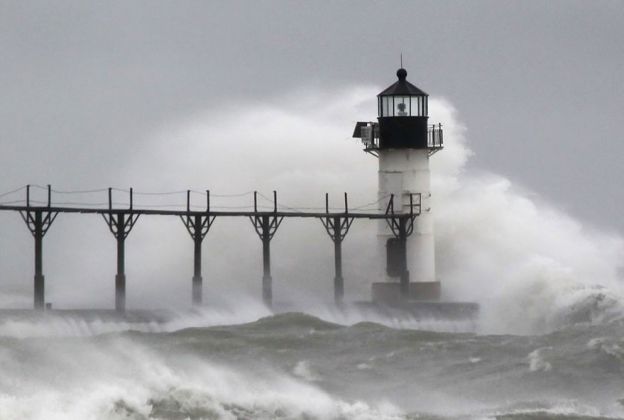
[(298, 366)]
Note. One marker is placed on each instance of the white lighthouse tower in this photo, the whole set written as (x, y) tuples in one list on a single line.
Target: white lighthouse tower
[(403, 141)]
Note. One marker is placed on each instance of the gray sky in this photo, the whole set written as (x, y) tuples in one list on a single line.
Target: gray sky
[(540, 85)]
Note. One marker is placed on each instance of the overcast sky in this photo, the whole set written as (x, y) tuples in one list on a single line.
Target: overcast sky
[(539, 84)]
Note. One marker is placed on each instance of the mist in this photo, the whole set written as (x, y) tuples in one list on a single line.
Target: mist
[(527, 262)]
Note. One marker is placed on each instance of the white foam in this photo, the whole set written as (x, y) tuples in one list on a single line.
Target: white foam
[(537, 362), (71, 325), (119, 379), (303, 370)]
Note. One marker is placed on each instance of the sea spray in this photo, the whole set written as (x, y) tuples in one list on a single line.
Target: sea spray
[(530, 266), (528, 263), (128, 376)]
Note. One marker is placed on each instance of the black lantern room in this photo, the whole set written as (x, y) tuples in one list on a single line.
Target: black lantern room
[(402, 120), (402, 115), (402, 99)]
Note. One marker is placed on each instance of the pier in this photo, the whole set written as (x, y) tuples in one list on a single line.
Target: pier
[(39, 217)]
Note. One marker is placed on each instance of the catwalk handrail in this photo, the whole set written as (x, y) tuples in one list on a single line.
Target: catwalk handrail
[(132, 210), (197, 213)]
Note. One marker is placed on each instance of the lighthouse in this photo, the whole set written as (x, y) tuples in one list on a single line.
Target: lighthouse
[(403, 141)]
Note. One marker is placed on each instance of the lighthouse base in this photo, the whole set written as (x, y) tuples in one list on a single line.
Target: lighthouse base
[(388, 293)]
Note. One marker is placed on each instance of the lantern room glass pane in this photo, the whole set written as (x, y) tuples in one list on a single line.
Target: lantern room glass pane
[(386, 106), (401, 106)]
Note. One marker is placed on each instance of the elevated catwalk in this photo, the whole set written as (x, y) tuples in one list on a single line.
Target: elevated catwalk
[(39, 219)]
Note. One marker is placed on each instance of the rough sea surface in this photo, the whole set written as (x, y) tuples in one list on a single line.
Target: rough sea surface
[(299, 366)]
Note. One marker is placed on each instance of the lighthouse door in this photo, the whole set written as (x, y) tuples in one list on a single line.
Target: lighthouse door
[(395, 257)]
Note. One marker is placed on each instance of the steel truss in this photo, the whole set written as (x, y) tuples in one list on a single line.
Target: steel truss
[(121, 221)]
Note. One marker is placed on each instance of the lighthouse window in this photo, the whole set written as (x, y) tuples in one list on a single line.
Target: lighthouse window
[(386, 106), (418, 106), (401, 106)]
